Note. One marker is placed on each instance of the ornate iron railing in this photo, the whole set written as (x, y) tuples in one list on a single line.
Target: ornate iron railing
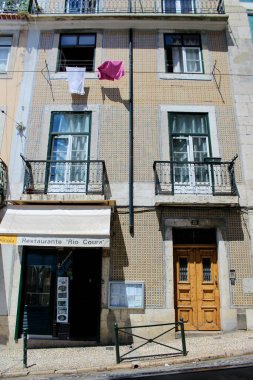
[(128, 6), (47, 176), (208, 177), (3, 180), (15, 6)]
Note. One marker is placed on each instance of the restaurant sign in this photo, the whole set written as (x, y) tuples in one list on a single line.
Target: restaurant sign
[(49, 241)]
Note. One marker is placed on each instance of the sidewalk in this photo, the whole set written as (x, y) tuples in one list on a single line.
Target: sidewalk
[(91, 359)]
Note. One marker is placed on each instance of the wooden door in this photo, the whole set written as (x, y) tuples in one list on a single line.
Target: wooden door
[(196, 287)]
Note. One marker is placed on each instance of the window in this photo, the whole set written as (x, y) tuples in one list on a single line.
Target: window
[(189, 147), (179, 6), (69, 151), (5, 47), (183, 53), (80, 6), (76, 50)]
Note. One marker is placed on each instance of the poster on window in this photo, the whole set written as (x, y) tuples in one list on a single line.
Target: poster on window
[(62, 299), (126, 295)]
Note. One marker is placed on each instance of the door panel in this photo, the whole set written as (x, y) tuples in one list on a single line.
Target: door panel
[(196, 288)]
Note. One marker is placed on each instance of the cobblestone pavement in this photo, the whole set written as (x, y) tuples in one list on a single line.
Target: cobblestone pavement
[(221, 348)]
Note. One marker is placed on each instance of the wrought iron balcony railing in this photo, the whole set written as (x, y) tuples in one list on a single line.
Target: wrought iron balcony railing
[(15, 6), (210, 177), (128, 6), (3, 180), (46, 176)]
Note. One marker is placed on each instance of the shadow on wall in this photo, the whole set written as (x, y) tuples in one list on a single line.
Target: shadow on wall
[(119, 314), (4, 326)]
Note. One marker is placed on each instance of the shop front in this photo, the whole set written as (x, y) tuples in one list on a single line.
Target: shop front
[(61, 268)]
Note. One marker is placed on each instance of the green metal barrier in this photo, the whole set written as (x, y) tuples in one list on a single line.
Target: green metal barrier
[(127, 330)]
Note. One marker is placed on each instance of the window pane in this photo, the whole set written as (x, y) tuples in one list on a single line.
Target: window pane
[(183, 269), (38, 285), (193, 63), (71, 123), (5, 41), (68, 40), (207, 273), (189, 124), (4, 54), (173, 39), (191, 40), (87, 40)]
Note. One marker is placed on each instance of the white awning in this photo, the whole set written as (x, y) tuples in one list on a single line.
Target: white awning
[(72, 226)]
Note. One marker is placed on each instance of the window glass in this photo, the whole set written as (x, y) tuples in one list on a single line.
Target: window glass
[(189, 124), (5, 46), (183, 269), (71, 122), (206, 265), (183, 53), (76, 50), (38, 285)]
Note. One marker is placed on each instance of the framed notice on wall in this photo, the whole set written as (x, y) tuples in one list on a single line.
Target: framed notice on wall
[(62, 299), (126, 295)]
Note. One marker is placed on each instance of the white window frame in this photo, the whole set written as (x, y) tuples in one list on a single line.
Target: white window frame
[(84, 3), (8, 73)]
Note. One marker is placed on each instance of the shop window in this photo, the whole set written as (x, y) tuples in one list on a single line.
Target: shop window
[(183, 53), (76, 50), (5, 47)]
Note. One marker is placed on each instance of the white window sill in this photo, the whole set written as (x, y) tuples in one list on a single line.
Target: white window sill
[(178, 76), (63, 75), (6, 75)]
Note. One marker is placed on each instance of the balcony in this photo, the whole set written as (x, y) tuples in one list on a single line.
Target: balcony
[(3, 181), (210, 181), (47, 177), (59, 7)]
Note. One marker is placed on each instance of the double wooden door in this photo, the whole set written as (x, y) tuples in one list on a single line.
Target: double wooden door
[(196, 287)]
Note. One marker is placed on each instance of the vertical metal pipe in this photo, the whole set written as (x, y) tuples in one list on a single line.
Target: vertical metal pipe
[(117, 343), (131, 124)]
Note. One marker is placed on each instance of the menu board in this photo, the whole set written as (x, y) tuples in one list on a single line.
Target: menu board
[(126, 295), (62, 299)]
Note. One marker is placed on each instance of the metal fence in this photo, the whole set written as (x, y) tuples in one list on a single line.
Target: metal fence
[(155, 341), (47, 176), (214, 178), (128, 6)]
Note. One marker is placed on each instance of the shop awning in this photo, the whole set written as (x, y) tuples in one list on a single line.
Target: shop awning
[(72, 226)]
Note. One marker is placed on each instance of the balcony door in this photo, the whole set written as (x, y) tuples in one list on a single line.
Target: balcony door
[(81, 6), (179, 6), (68, 166), (189, 147)]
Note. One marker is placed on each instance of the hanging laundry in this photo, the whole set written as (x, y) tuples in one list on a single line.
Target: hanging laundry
[(111, 70), (76, 77)]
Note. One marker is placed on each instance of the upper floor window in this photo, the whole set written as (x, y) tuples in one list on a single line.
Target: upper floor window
[(77, 50), (5, 47), (183, 53), (80, 6)]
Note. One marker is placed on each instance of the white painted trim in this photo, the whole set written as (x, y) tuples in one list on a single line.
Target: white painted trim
[(164, 133)]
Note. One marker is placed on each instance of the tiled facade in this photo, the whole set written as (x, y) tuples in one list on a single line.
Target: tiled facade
[(146, 254)]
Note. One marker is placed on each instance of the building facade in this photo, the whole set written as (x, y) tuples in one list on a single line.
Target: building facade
[(130, 201)]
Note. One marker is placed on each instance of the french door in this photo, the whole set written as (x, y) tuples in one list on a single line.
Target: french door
[(81, 6), (70, 172), (179, 6), (190, 174)]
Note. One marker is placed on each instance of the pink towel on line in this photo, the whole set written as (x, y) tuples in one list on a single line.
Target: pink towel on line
[(111, 70)]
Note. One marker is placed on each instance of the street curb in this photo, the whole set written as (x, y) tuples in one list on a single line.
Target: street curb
[(134, 365)]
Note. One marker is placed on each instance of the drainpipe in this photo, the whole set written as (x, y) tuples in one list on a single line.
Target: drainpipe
[(131, 124)]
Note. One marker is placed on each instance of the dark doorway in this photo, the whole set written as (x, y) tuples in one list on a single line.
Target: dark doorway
[(194, 236), (85, 294)]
